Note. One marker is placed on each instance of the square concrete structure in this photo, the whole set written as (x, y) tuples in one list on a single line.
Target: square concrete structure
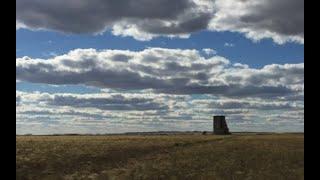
[(220, 126)]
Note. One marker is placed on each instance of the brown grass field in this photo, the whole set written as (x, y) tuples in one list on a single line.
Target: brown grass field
[(238, 156)]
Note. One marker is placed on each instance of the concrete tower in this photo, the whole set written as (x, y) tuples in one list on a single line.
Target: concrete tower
[(220, 125)]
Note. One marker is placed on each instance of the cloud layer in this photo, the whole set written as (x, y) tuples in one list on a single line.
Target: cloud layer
[(280, 20), (122, 112), (171, 71)]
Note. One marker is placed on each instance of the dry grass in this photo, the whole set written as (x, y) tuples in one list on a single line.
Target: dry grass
[(161, 157)]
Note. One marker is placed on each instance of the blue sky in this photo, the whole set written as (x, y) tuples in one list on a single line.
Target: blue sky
[(71, 82)]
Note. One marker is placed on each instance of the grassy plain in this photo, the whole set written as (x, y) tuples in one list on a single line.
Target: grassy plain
[(238, 156)]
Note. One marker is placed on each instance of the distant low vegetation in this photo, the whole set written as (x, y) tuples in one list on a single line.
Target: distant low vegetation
[(240, 156)]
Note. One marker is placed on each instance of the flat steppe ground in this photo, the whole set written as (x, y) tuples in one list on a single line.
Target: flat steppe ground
[(237, 156)]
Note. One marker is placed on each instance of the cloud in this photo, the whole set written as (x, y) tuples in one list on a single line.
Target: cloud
[(123, 17), (228, 44), (209, 51), (18, 100), (122, 112), (20, 25), (113, 101), (118, 102), (250, 104), (171, 71), (282, 21)]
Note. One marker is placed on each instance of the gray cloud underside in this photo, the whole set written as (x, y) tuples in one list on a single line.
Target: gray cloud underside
[(98, 15), (281, 20), (285, 17), (171, 71), (118, 102), (234, 104)]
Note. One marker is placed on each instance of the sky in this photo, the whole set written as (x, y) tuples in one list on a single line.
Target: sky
[(105, 66)]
